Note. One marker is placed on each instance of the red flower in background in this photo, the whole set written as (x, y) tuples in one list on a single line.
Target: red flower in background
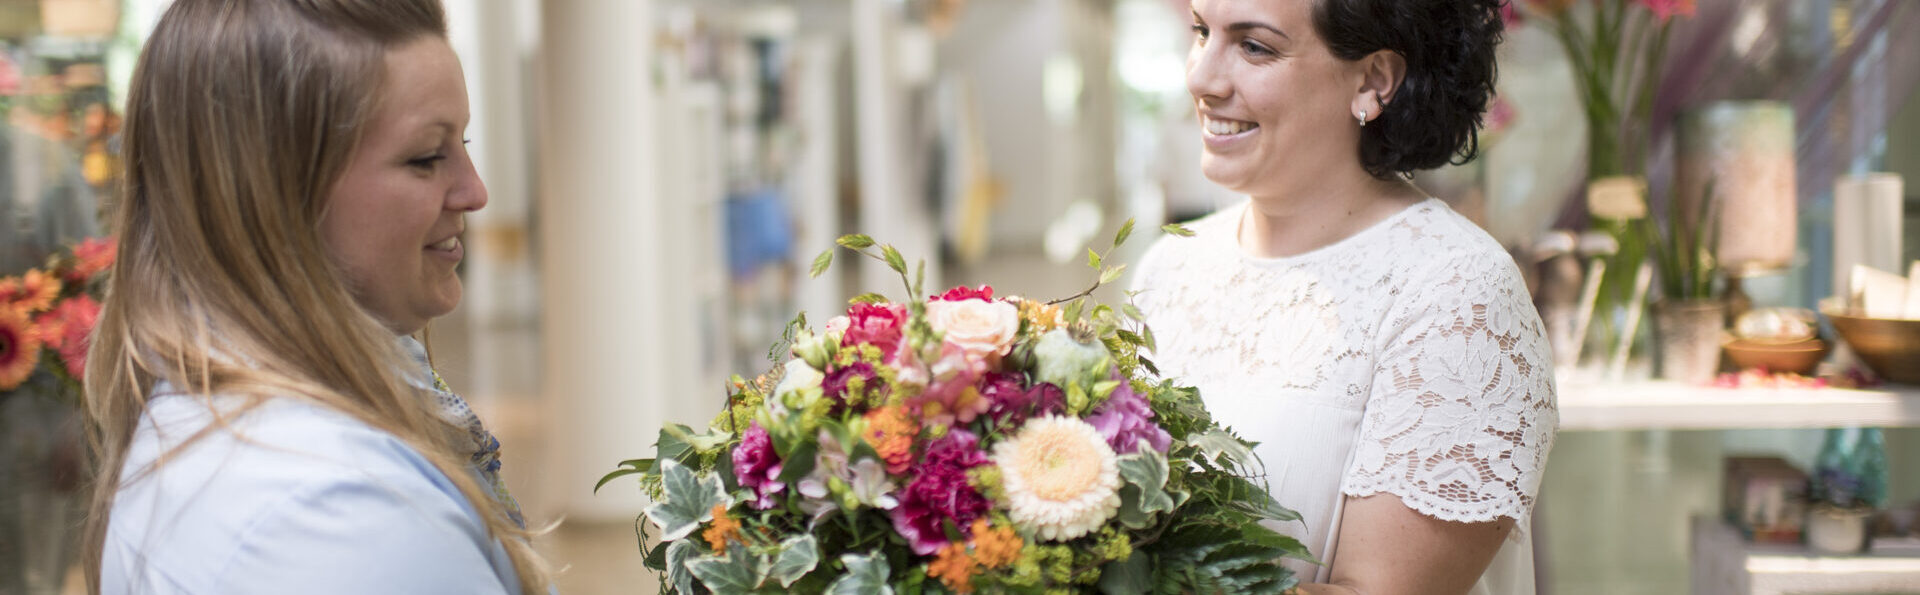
[(984, 292), (1666, 9), (67, 329), (92, 257), (19, 348)]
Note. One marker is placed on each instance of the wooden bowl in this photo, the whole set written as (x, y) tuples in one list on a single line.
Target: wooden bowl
[(1798, 357), (1891, 347)]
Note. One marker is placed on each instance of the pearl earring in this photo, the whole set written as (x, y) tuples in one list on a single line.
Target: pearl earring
[(1363, 118)]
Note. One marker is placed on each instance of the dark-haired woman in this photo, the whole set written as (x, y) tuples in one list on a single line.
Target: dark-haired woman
[(1380, 348)]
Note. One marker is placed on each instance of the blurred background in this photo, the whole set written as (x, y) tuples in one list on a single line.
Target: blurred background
[(662, 173)]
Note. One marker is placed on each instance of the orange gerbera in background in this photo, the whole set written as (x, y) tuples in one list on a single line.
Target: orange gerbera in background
[(32, 292), (19, 348)]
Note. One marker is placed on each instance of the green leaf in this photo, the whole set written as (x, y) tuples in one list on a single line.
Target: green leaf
[(894, 260), (631, 467), (855, 241), (1260, 535), (1146, 334), (1147, 470), (1133, 312), (1215, 443), (1111, 274), (690, 501), (866, 575), (868, 298), (820, 263), (799, 462), (677, 556), (1126, 229), (672, 444), (1093, 259), (739, 572), (1177, 229), (1131, 576), (1073, 310), (798, 556)]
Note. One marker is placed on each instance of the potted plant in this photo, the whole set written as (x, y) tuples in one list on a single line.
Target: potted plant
[(1687, 319), (1841, 494)]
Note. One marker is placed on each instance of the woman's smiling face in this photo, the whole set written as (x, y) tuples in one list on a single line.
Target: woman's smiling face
[(1274, 103)]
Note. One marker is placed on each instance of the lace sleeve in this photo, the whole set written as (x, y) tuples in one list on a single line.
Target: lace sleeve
[(1461, 412)]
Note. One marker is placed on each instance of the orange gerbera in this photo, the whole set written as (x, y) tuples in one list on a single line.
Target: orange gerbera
[(32, 292), (19, 348), (725, 528), (954, 567), (890, 430), (995, 547)]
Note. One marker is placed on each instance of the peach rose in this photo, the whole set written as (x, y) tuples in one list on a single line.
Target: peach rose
[(982, 328)]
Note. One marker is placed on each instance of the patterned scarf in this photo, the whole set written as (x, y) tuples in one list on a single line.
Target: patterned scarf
[(486, 448)]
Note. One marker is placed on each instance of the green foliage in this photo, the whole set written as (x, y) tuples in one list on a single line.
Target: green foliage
[(798, 556), (1177, 230), (740, 571), (866, 575), (677, 556), (690, 501), (1686, 257)]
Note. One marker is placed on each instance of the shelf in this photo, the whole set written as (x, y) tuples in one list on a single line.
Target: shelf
[(1723, 564), (1658, 405)]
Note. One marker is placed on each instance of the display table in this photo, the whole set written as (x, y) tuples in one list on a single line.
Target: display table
[(1661, 405), (1724, 564)]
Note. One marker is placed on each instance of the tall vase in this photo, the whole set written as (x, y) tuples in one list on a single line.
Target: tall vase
[(1688, 336), (42, 466)]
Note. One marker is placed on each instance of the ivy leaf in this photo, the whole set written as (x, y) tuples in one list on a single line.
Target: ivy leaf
[(894, 260), (1215, 443), (1126, 229), (820, 263), (1132, 576), (866, 575), (1177, 229), (1147, 470), (677, 556), (1111, 274), (855, 241), (798, 556), (690, 501), (739, 572)]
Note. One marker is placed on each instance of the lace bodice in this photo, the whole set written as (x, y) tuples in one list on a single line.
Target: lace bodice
[(1406, 359)]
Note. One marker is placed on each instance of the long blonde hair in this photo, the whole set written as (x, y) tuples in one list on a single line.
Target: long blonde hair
[(241, 116)]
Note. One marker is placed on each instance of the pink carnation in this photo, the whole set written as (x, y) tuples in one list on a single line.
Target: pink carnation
[(1011, 401), (939, 492), (757, 466), (879, 325), (984, 293)]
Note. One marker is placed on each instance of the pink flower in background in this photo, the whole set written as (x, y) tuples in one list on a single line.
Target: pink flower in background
[(1666, 9), (939, 492), (1510, 15), (879, 325), (66, 329), (950, 393), (758, 468), (9, 76), (1126, 419), (984, 292)]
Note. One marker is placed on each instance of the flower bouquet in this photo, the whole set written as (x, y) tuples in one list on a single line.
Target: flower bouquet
[(52, 310), (962, 442)]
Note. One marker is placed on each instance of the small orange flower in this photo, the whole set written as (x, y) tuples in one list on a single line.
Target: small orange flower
[(891, 433), (1040, 316), (19, 348), (954, 567), (995, 547), (32, 292), (725, 528)]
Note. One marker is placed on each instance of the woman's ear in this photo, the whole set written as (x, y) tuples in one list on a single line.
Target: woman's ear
[(1380, 76)]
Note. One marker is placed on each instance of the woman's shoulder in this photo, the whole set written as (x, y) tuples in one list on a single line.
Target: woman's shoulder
[(1436, 245)]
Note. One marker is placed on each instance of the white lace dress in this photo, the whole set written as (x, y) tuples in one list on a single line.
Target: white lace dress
[(1406, 359)]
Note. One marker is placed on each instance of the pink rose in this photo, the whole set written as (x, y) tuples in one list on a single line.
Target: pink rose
[(838, 324), (879, 325), (962, 293), (983, 329)]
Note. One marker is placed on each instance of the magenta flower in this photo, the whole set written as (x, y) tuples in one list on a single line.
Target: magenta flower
[(984, 292), (757, 467), (1667, 9), (879, 325), (1126, 419), (939, 493), (835, 386), (1012, 401)]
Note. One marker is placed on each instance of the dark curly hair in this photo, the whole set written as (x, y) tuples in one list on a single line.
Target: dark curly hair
[(1434, 118)]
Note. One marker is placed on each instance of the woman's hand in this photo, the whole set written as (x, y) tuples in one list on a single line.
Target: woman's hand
[(1387, 548)]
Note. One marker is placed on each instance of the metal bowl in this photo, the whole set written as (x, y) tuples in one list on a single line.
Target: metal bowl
[(1891, 347)]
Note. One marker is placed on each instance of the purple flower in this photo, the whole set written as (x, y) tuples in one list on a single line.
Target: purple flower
[(757, 467), (1013, 402), (1126, 419), (939, 493), (836, 383)]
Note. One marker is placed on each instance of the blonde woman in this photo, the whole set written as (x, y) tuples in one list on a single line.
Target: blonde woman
[(296, 185)]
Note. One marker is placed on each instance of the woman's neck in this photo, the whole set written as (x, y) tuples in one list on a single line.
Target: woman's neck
[(1310, 217)]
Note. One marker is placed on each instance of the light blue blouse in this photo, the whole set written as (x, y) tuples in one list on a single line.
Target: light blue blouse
[(291, 498)]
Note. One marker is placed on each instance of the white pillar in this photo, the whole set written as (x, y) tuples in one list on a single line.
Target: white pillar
[(892, 205), (610, 357)]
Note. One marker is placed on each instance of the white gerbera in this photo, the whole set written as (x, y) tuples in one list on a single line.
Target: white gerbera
[(1060, 476)]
